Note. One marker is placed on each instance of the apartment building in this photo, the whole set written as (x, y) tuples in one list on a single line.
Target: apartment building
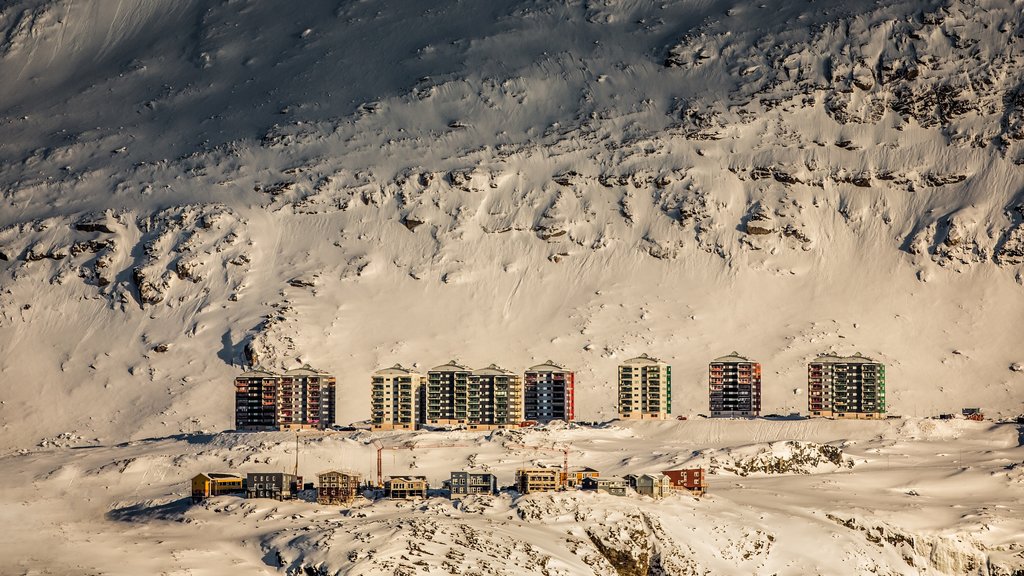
[(645, 389), (495, 399), (734, 384), (549, 393), (846, 387), (611, 484), (530, 480), (305, 399), (335, 487), (468, 482), (576, 476), (447, 401), (398, 398), (256, 400)]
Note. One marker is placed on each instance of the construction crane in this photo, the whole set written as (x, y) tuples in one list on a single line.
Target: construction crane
[(404, 446), (565, 449)]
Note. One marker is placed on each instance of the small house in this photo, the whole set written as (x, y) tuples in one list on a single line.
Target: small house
[(653, 485), (335, 487), (210, 484), (276, 485), (530, 480), (406, 487), (692, 480), (577, 475), (610, 484), (468, 482)]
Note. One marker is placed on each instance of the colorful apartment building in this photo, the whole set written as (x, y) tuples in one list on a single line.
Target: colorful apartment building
[(406, 487), (846, 387), (692, 480), (298, 399), (611, 484), (256, 400), (469, 482), (211, 484), (549, 393), (530, 480), (734, 384), (397, 399), (335, 487), (495, 399), (645, 389), (447, 401), (305, 399)]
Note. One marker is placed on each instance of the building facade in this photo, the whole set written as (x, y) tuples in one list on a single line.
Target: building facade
[(653, 485), (256, 400), (305, 399), (734, 385), (692, 480), (610, 484), (447, 401), (495, 399), (846, 387), (211, 484), (576, 476), (276, 485), (549, 393), (463, 483), (337, 488), (645, 389), (406, 487), (530, 480), (398, 398)]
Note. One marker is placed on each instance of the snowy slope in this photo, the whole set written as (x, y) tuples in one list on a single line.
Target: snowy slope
[(192, 186)]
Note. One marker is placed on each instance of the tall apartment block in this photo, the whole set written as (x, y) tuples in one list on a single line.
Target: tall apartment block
[(734, 386), (645, 389), (256, 400), (846, 387), (549, 393), (397, 398), (448, 394), (495, 399), (305, 399), (300, 398)]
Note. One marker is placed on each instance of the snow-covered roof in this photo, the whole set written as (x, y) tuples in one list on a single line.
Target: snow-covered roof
[(221, 475), (732, 357), (451, 366), (643, 359), (493, 370), (395, 370), (857, 358), (305, 370), (547, 366), (257, 373)]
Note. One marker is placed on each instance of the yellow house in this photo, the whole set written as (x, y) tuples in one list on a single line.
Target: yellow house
[(215, 484)]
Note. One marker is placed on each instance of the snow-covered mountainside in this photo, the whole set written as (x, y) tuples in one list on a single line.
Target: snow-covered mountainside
[(192, 186)]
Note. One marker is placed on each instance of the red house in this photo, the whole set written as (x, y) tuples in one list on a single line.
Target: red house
[(691, 480)]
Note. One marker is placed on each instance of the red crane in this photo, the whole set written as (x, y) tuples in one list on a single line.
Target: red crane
[(404, 446)]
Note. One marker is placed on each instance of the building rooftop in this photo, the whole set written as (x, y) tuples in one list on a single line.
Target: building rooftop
[(258, 373), (451, 366), (643, 359), (493, 370), (395, 370), (857, 358), (407, 478), (732, 357), (336, 471), (305, 370), (547, 366), (221, 475)]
